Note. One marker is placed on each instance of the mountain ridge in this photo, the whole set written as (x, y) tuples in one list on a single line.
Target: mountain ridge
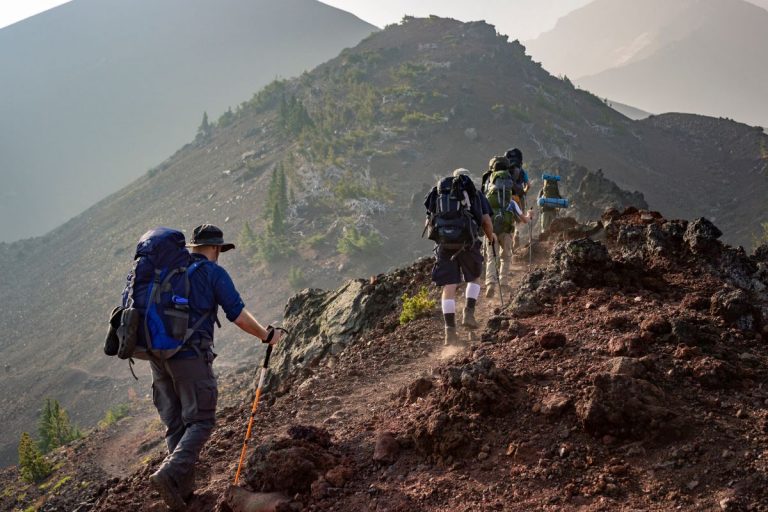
[(383, 120), (121, 85), (686, 55), (623, 374)]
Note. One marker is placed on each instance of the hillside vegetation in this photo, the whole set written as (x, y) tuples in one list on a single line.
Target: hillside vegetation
[(98, 91), (353, 146)]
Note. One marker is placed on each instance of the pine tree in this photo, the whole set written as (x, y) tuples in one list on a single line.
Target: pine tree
[(32, 465), (204, 130), (247, 239), (55, 428), (277, 201)]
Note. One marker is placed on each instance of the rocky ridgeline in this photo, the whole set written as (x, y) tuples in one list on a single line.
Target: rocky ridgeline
[(628, 373), (323, 323), (589, 193)]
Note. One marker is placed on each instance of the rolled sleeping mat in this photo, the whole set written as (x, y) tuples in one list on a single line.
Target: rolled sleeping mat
[(549, 177), (552, 202)]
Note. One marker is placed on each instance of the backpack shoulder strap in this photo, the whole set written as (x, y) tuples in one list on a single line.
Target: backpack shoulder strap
[(191, 330)]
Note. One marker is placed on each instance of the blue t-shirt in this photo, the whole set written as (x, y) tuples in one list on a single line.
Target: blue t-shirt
[(211, 287)]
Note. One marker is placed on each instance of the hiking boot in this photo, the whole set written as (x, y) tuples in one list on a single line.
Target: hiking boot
[(187, 485), (451, 338), (469, 318), (490, 291), (169, 491)]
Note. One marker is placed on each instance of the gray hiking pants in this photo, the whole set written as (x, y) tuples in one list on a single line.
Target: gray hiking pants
[(547, 216), (184, 392), (504, 253)]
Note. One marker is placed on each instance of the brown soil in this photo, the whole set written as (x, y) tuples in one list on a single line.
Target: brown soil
[(624, 376)]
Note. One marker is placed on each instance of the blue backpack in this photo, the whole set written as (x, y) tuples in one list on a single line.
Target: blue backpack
[(153, 320)]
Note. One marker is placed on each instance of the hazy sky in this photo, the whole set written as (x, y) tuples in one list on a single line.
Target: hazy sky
[(520, 19), (12, 11)]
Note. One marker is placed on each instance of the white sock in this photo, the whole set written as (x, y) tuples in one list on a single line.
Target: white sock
[(473, 290), (449, 306)]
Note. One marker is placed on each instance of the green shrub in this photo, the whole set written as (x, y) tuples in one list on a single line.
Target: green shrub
[(296, 278), (54, 426), (418, 306), (115, 414), (269, 96), (409, 70), (520, 112), (32, 465), (226, 119), (271, 248), (317, 240), (61, 483), (420, 118), (352, 242)]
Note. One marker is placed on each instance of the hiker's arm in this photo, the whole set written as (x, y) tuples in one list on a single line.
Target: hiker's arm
[(487, 226), (527, 218), (249, 324)]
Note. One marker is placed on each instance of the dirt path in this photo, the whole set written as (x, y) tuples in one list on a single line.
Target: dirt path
[(328, 406), (129, 442)]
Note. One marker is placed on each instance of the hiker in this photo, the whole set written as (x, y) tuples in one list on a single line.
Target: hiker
[(499, 188), (456, 211), (522, 183), (184, 388), (550, 190)]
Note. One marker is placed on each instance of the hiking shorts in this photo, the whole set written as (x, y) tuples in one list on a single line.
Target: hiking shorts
[(454, 266)]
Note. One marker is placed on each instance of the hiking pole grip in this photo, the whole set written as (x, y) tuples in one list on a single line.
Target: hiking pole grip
[(267, 356)]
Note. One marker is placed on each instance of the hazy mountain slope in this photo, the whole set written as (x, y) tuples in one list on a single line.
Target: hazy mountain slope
[(701, 56), (95, 92), (608, 33), (628, 110), (367, 135), (761, 3), (712, 71)]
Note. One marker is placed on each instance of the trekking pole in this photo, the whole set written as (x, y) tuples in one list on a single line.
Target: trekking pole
[(530, 241), (496, 268), (255, 406)]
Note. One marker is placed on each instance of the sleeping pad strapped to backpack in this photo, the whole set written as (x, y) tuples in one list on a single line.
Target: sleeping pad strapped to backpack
[(153, 319)]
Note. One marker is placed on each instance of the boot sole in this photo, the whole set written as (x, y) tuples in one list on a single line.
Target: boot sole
[(172, 498)]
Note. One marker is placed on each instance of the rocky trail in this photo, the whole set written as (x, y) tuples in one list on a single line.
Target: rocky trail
[(371, 394), (627, 372)]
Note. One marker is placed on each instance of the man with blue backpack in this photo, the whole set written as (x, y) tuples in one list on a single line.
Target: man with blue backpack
[(456, 212), (169, 309)]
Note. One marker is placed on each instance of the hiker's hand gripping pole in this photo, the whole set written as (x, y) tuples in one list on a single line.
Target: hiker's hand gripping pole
[(255, 406)]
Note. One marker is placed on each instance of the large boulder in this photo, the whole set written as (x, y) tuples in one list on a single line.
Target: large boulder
[(292, 464), (625, 407), (324, 323), (701, 236), (734, 306)]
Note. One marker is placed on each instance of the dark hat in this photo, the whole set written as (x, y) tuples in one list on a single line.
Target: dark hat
[(515, 156), (208, 234)]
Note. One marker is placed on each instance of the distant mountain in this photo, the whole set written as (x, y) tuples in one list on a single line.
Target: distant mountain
[(761, 3), (360, 139), (699, 56), (628, 110), (95, 92)]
